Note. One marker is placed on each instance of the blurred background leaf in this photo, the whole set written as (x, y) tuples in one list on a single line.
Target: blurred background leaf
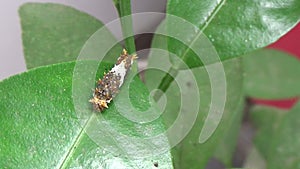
[(255, 160), (266, 120), (227, 146), (277, 137), (271, 74)]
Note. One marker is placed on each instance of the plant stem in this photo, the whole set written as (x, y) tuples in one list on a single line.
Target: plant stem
[(166, 82), (124, 9)]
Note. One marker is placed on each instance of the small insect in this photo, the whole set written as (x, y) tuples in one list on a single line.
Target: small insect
[(108, 87)]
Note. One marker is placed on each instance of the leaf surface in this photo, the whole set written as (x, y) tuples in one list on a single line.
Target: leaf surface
[(233, 27), (54, 33), (277, 137), (271, 74), (179, 97), (42, 127)]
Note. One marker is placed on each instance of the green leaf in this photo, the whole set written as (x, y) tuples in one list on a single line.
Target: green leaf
[(271, 74), (278, 137), (254, 160), (54, 33), (233, 27), (41, 127), (189, 153), (116, 2), (266, 120), (286, 143), (227, 146)]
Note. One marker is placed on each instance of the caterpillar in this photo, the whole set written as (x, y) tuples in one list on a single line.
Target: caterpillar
[(108, 87)]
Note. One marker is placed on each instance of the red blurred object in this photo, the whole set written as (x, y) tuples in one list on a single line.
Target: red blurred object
[(289, 43), (283, 104)]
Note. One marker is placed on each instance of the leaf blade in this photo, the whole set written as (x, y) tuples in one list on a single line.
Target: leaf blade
[(232, 35), (276, 138), (271, 74), (189, 150), (54, 33), (41, 126)]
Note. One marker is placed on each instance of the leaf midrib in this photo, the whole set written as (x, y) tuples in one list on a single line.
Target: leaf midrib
[(209, 19), (75, 143)]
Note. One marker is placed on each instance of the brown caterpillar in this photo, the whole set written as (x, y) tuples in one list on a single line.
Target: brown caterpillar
[(108, 87)]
